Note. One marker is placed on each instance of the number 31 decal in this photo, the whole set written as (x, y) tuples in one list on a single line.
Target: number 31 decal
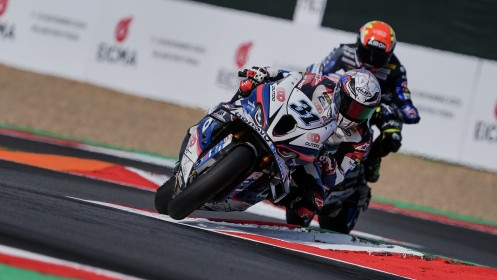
[(304, 111)]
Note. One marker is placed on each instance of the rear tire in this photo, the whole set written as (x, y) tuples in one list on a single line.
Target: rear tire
[(164, 195), (227, 173)]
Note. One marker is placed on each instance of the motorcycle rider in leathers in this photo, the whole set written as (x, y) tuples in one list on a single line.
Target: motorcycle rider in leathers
[(343, 153), (356, 96), (373, 50)]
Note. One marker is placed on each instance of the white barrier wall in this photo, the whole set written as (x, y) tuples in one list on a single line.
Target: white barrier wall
[(479, 146), (189, 53), (49, 36), (441, 95)]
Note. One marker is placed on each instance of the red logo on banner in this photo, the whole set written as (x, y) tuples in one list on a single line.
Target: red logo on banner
[(122, 29), (3, 6), (242, 54)]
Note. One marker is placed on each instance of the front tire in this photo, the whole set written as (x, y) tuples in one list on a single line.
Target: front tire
[(227, 173), (164, 195)]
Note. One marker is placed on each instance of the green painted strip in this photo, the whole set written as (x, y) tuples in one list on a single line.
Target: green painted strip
[(83, 141), (10, 272), (429, 210)]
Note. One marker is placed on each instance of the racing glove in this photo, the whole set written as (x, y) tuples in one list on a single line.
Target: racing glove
[(253, 77), (410, 114)]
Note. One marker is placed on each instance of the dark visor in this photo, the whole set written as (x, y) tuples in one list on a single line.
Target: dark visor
[(373, 56), (353, 110)]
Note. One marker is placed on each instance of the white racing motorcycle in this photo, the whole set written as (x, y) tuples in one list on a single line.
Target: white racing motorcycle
[(245, 151)]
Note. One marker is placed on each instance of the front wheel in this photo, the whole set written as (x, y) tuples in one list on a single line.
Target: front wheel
[(164, 195), (227, 173)]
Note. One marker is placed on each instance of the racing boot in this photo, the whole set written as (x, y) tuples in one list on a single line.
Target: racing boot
[(299, 211), (300, 216)]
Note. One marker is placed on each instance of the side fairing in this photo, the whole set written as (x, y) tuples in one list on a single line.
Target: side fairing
[(308, 104), (200, 140)]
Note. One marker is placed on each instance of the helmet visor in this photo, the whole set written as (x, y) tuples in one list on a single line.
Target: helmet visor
[(352, 109), (372, 56)]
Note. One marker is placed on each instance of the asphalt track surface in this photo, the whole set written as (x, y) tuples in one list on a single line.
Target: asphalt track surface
[(37, 214)]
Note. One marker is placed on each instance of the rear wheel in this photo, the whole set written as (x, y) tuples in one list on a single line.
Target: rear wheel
[(164, 195), (227, 173)]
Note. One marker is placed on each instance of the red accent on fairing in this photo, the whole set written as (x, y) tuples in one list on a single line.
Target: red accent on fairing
[(51, 268), (199, 149)]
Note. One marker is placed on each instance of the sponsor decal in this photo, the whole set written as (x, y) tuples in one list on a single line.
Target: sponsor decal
[(302, 82), (206, 124), (280, 95), (318, 106), (487, 131), (314, 137), (315, 140), (378, 44), (193, 141), (122, 28), (7, 30), (317, 79), (363, 148), (313, 145), (269, 142), (177, 51), (116, 53), (242, 54)]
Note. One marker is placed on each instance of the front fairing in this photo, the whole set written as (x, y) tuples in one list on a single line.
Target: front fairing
[(292, 98), (270, 104)]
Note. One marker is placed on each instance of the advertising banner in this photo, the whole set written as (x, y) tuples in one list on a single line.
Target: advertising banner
[(196, 62), (156, 49), (439, 83), (50, 36), (479, 148)]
